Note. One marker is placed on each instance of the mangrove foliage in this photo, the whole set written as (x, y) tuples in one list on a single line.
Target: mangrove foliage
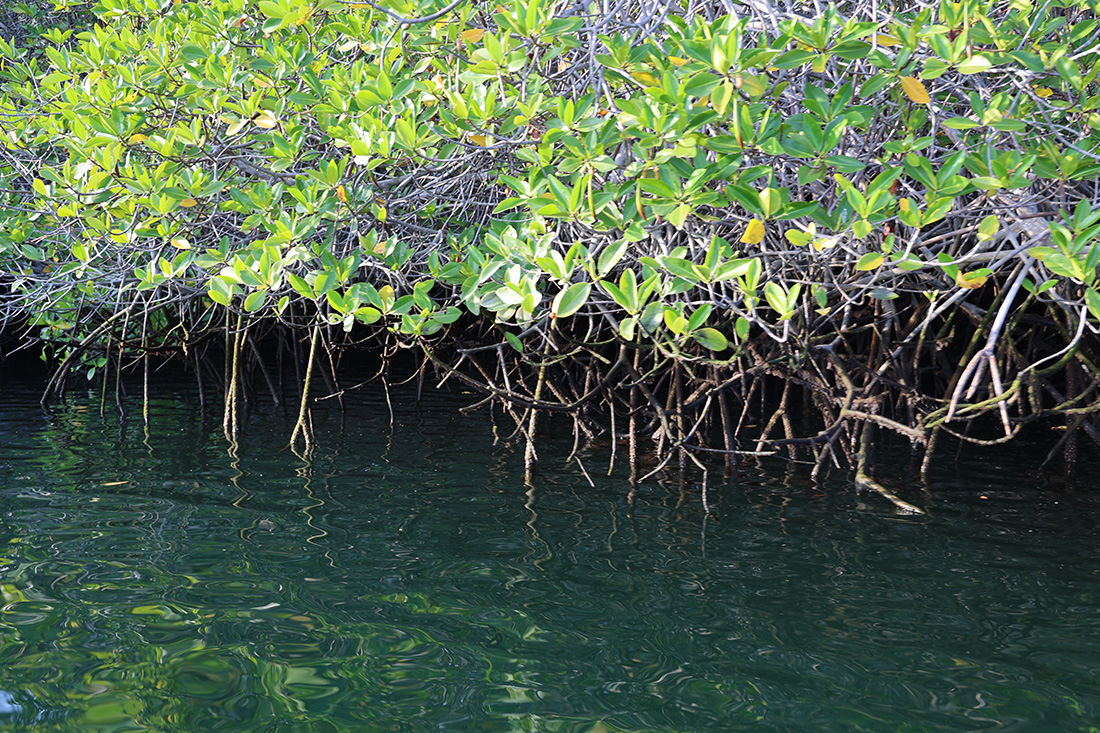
[(699, 229)]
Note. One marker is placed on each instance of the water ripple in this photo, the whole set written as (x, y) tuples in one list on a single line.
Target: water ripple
[(408, 580)]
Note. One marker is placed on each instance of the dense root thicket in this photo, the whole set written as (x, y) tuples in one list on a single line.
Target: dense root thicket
[(676, 223)]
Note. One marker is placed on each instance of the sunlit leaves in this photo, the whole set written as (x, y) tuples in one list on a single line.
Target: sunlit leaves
[(298, 140)]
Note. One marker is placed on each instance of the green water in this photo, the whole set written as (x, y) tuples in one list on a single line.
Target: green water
[(407, 580)]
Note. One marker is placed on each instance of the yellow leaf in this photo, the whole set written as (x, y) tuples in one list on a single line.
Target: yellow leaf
[(261, 82), (342, 194), (478, 140), (823, 243), (648, 80), (1042, 92), (755, 85), (905, 204), (138, 138), (115, 483), (754, 232), (181, 243), (188, 203), (472, 35), (236, 127), (884, 40), (969, 281), (915, 90), (265, 120), (677, 60)]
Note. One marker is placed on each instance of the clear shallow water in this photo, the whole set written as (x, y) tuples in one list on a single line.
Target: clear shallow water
[(408, 580)]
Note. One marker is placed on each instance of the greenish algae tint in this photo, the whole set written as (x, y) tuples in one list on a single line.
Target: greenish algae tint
[(407, 580)]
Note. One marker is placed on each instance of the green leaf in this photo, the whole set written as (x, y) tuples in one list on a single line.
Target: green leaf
[(651, 317), (1092, 300), (776, 297), (771, 201), (742, 328), (220, 290), (975, 65), (626, 328), (1070, 71), (961, 123), (869, 261), (699, 317), (986, 183), (674, 321), (367, 315), (679, 215), (513, 341), (570, 299), (610, 257), (793, 59), (845, 163), (1041, 253), (272, 10), (731, 269), (255, 300), (711, 338), (988, 228)]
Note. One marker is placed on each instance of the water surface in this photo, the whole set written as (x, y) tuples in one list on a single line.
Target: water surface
[(407, 579)]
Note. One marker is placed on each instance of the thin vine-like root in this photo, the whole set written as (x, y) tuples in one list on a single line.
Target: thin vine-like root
[(145, 375), (227, 379), (929, 455), (145, 393), (300, 426), (987, 356), (58, 376), (529, 454), (727, 432), (230, 419), (263, 370), (1090, 429), (633, 427), (865, 482), (106, 373)]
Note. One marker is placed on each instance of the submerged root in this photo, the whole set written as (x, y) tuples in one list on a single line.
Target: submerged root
[(302, 427)]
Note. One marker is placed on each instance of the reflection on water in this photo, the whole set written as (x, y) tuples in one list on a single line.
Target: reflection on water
[(406, 579)]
